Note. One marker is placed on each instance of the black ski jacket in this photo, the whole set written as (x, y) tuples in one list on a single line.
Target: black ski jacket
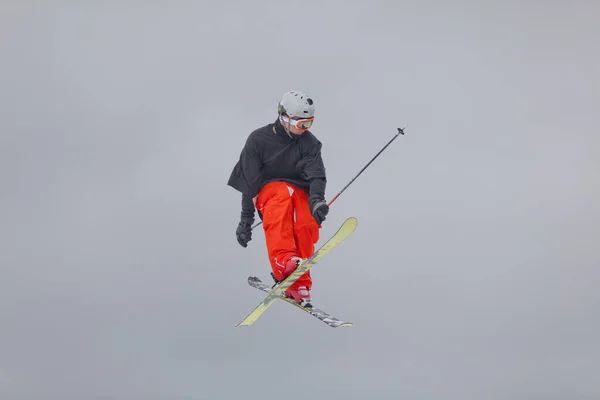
[(270, 154)]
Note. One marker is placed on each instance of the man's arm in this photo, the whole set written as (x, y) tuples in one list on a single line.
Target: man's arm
[(246, 178), (316, 191), (314, 171), (246, 175), (247, 209)]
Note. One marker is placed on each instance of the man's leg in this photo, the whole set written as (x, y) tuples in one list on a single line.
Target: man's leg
[(275, 203), (306, 233)]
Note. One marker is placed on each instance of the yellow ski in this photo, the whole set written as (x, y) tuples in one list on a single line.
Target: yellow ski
[(343, 232)]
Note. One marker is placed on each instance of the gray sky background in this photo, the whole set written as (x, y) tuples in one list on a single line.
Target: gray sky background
[(474, 270)]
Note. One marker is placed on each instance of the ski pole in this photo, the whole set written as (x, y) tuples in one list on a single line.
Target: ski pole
[(400, 132)]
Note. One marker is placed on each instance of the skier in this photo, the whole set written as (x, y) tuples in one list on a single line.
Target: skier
[(281, 174)]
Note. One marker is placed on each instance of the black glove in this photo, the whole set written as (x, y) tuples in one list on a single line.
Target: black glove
[(320, 211), (244, 233)]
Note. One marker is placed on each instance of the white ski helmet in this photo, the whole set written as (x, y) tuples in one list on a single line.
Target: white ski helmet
[(296, 105)]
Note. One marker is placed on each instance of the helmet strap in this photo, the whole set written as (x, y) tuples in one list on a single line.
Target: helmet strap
[(286, 127)]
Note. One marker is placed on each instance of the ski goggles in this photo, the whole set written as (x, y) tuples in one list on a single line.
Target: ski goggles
[(303, 123)]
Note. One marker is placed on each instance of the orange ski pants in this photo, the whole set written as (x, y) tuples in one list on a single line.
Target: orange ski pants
[(290, 229)]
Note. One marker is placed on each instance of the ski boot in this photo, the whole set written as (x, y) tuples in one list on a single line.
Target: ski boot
[(301, 295), (290, 266)]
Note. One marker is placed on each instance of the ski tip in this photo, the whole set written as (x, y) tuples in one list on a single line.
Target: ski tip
[(351, 221)]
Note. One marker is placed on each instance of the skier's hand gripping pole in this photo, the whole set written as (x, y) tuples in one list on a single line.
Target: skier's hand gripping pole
[(400, 132)]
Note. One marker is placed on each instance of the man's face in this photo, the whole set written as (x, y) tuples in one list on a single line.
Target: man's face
[(296, 131)]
